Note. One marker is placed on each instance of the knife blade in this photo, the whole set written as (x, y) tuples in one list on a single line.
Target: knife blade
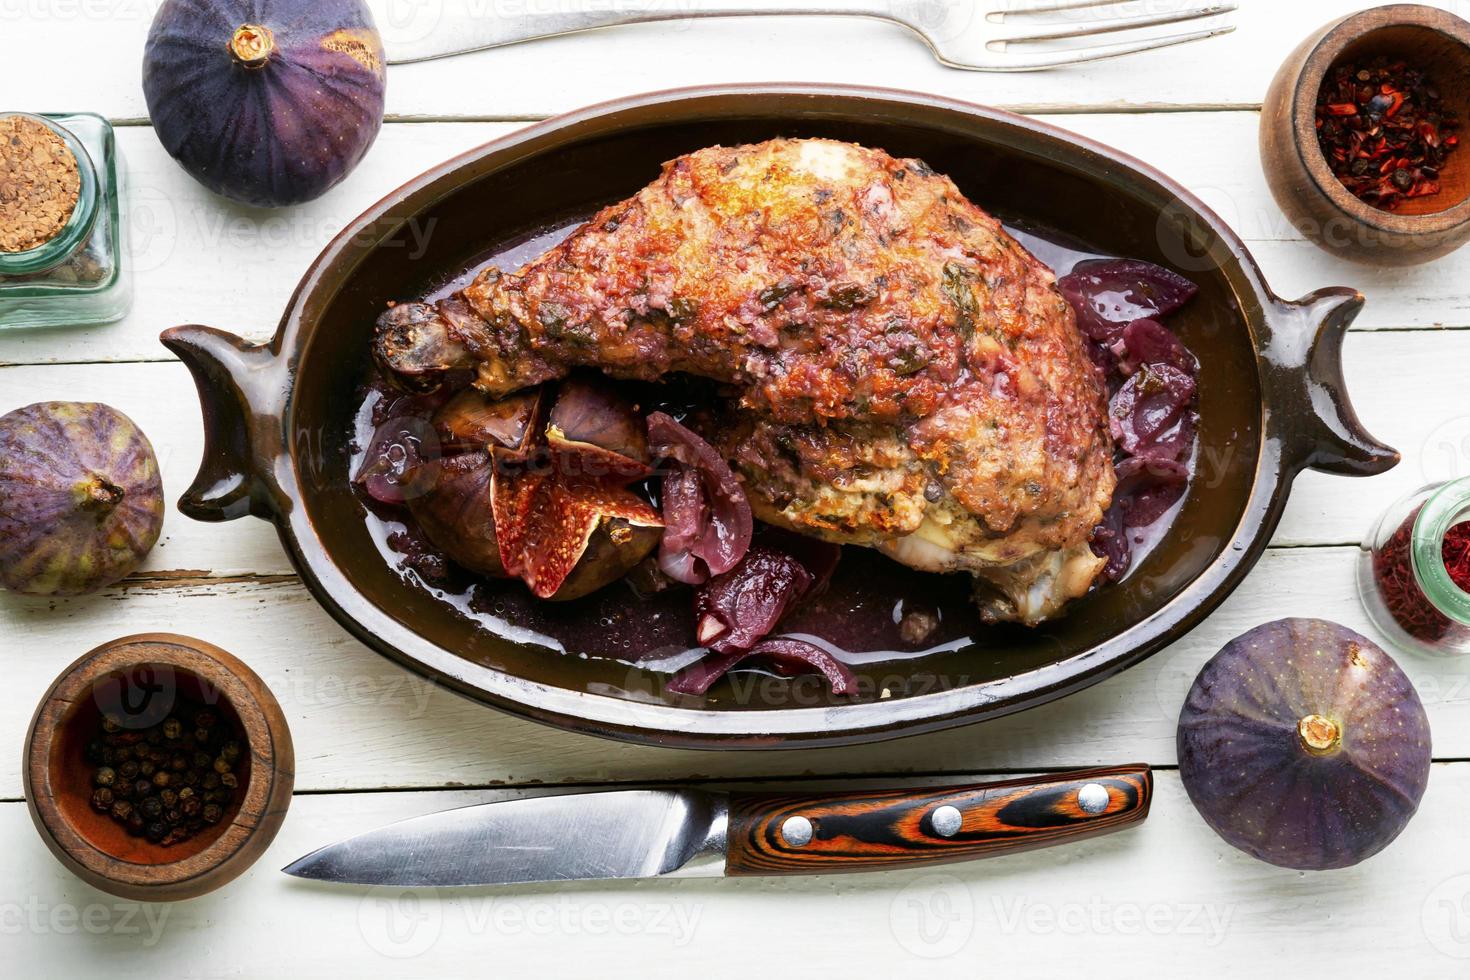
[(652, 833)]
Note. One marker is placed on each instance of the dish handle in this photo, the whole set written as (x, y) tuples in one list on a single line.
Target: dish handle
[(242, 391), (1312, 413)]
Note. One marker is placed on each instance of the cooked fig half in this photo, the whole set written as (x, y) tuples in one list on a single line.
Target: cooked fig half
[(535, 486)]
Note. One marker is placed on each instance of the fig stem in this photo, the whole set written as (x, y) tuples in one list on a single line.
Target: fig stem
[(99, 494), (252, 44), (1319, 735)]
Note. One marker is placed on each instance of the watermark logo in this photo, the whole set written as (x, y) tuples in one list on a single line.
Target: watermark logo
[(400, 923), (1445, 917), (933, 917), (1446, 452), (1099, 917), (143, 921)]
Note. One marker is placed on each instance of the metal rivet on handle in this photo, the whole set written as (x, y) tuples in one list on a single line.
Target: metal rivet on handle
[(797, 831), (1092, 798), (946, 821)]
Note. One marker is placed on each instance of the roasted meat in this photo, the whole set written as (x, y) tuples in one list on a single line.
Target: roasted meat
[(900, 373)]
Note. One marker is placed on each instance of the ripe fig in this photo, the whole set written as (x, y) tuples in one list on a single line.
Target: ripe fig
[(81, 503), (267, 102), (1304, 745)]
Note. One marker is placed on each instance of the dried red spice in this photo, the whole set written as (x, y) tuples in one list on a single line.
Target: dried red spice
[(1383, 127), (1393, 571)]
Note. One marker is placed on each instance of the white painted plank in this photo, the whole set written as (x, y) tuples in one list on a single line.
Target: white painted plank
[(1165, 898), (532, 80), (360, 722), (201, 259)]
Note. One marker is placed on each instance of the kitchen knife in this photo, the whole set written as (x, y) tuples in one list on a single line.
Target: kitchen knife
[(651, 833)]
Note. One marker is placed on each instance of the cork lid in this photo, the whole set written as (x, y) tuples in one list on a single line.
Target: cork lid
[(40, 183)]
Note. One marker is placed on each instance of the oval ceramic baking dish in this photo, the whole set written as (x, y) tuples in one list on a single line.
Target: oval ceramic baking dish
[(279, 417)]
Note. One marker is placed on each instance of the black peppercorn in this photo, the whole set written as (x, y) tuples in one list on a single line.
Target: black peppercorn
[(168, 781)]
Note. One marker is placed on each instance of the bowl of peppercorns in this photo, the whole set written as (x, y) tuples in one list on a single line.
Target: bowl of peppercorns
[(1361, 133), (158, 767)]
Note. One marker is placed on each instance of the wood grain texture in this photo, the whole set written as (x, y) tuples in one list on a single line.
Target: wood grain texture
[(1166, 898), (96, 849), (1419, 230), (875, 830), (546, 77)]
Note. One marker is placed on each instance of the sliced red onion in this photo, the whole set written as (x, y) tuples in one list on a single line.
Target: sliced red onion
[(1110, 541), (1150, 342), (820, 557), (1146, 492), (793, 656), (707, 518), (734, 611), (1147, 410), (397, 449), (1109, 294), (1147, 489)]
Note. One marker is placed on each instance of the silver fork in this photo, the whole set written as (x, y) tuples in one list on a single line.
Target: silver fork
[(976, 35)]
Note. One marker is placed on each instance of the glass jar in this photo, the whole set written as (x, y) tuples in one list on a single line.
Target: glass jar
[(1403, 580), (80, 275)]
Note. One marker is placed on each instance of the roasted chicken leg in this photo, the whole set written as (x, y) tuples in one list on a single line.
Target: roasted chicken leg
[(900, 372)]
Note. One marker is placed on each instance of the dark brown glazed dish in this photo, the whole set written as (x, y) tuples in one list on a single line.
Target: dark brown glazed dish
[(279, 417)]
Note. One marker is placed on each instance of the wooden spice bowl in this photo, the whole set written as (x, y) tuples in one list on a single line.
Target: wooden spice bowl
[(139, 678), (1420, 229)]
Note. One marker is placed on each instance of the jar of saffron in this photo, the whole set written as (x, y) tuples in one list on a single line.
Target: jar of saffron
[(61, 243), (1414, 572)]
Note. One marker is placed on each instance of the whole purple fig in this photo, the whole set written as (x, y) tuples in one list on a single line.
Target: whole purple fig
[(268, 102), (1304, 745), (81, 503)]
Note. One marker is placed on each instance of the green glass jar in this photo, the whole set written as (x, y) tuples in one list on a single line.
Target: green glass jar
[(1406, 587), (80, 275)]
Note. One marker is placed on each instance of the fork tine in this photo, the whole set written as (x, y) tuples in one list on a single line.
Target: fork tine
[(1052, 6), (1121, 23), (1115, 49)]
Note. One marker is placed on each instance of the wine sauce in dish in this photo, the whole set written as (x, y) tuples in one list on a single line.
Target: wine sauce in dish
[(873, 611)]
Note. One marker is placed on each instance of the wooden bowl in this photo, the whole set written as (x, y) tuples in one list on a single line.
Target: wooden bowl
[(1315, 201), (139, 677)]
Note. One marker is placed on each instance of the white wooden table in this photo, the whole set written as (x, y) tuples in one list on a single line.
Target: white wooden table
[(375, 743)]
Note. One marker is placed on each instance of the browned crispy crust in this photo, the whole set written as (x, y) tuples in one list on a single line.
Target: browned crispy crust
[(900, 364)]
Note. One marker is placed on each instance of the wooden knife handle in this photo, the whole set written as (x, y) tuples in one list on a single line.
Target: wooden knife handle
[(876, 829)]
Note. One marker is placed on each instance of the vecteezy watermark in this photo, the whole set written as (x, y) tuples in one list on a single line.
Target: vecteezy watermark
[(38, 918), (1099, 917), (403, 923), (933, 917), (1445, 917), (1446, 452)]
